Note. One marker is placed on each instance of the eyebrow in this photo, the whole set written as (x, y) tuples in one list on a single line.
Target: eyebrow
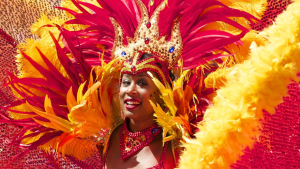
[(144, 76)]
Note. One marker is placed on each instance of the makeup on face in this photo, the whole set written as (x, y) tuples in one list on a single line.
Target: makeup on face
[(135, 93), (132, 103)]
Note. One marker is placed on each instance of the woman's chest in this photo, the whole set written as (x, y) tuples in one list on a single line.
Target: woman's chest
[(147, 157)]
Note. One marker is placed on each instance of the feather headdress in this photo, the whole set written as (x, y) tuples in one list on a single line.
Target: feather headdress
[(71, 100)]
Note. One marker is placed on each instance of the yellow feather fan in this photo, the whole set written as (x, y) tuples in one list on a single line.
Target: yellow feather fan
[(46, 44), (232, 124), (97, 114), (90, 118)]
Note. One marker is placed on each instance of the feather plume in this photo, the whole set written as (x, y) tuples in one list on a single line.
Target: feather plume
[(80, 103), (254, 7), (178, 111), (232, 124)]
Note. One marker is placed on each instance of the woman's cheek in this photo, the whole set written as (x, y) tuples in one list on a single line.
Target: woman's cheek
[(122, 92), (150, 96)]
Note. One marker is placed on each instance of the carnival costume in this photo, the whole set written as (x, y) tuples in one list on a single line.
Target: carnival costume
[(67, 87)]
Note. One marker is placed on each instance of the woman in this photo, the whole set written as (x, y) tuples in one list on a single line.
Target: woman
[(128, 106), (136, 91)]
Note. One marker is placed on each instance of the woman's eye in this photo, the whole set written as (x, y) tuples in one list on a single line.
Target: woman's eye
[(125, 83), (142, 84)]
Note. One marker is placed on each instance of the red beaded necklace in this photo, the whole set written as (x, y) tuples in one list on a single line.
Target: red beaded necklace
[(130, 142)]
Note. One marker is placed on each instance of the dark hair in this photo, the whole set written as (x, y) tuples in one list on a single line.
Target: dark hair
[(172, 76), (145, 55)]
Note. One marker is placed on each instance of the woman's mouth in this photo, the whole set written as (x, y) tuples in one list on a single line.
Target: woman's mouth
[(132, 103)]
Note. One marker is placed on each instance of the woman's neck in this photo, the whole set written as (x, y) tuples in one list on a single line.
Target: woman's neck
[(139, 125)]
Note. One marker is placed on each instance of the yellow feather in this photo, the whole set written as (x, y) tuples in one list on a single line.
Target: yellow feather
[(30, 140), (80, 92), (69, 4), (46, 124), (218, 78), (171, 121), (59, 123), (254, 7), (48, 106), (179, 81), (71, 101), (258, 84)]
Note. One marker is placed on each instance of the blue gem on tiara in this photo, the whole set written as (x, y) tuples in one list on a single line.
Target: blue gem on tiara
[(172, 48), (123, 53), (154, 131)]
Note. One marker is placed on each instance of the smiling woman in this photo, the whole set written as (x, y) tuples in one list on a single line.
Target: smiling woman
[(140, 136), (135, 93)]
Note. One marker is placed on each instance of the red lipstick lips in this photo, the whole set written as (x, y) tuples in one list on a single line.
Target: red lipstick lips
[(132, 103)]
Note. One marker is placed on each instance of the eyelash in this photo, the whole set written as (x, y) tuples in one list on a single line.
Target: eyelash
[(126, 83), (142, 84)]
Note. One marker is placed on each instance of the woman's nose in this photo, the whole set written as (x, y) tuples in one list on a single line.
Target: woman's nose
[(131, 90)]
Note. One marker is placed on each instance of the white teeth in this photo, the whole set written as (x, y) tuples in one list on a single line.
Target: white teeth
[(132, 102)]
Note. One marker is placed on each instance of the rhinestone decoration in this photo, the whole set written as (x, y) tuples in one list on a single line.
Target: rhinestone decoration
[(146, 30), (144, 66), (147, 41), (123, 53), (133, 68), (148, 24), (171, 50), (151, 2), (274, 8), (154, 131), (278, 146), (130, 142)]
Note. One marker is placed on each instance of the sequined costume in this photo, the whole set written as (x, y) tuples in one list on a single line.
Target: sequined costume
[(200, 42)]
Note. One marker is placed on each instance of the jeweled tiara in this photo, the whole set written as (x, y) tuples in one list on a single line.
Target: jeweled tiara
[(147, 39)]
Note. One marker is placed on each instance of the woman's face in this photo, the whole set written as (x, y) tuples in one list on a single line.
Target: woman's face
[(135, 93)]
